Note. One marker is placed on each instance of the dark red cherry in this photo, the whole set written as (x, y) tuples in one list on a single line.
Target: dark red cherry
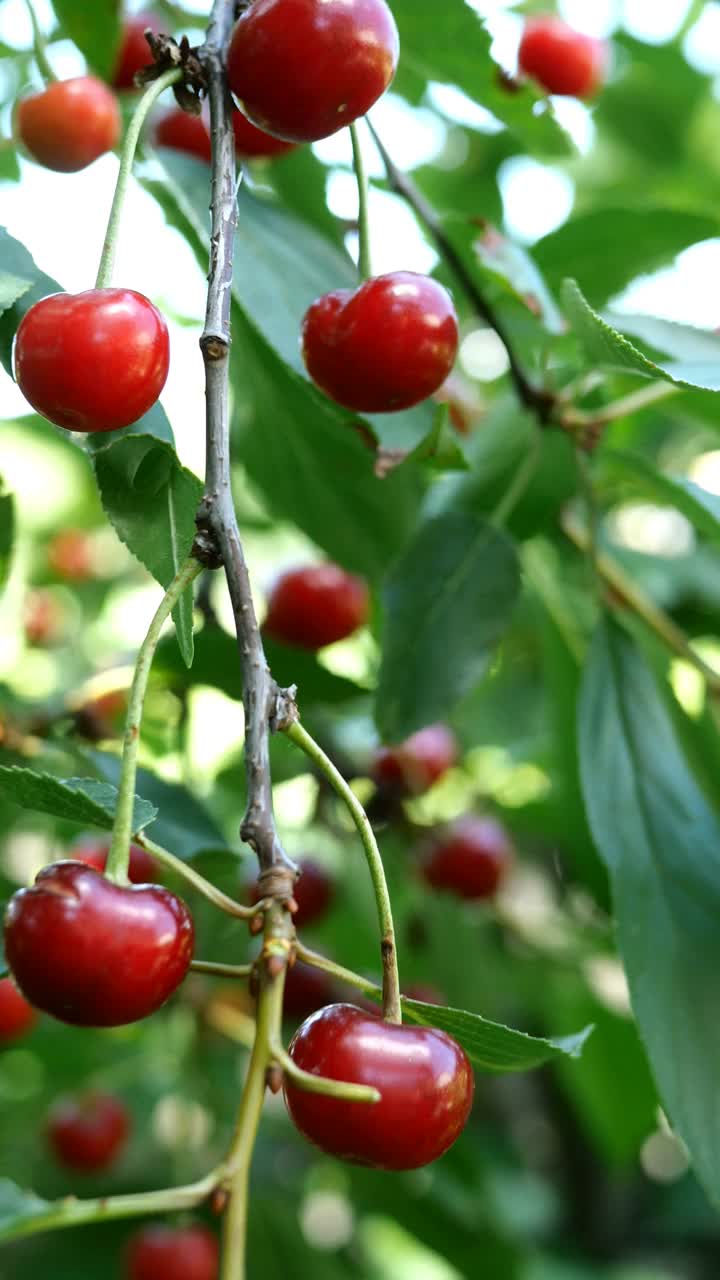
[(69, 124), (173, 1253), (384, 347), (303, 69), (418, 762), (180, 131), (93, 851), (313, 892), (563, 61), (16, 1015), (316, 605), (93, 953), (254, 144), (134, 50), (93, 361), (306, 990), (424, 1078), (470, 859), (88, 1132)]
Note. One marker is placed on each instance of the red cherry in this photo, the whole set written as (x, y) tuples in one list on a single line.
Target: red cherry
[(302, 69), (173, 1253), (69, 555), (470, 859), (69, 124), (563, 61), (316, 605), (93, 851), (423, 1075), (418, 762), (88, 1132), (254, 143), (306, 990), (93, 361), (134, 50), (93, 953), (313, 892), (180, 131), (16, 1015), (384, 347)]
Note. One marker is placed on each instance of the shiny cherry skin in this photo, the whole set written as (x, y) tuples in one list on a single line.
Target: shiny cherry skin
[(69, 124), (69, 556), (384, 347), (93, 953), (424, 1078), (173, 1253), (470, 859), (93, 361), (563, 61), (180, 131), (134, 50), (252, 143), (316, 605), (16, 1016), (306, 990), (302, 70), (417, 763), (313, 892), (93, 851), (88, 1132)]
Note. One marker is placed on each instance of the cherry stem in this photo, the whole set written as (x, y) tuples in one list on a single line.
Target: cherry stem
[(634, 598), (127, 157), (216, 969), (322, 1084), (203, 886), (391, 981), (119, 852), (40, 46), (364, 259)]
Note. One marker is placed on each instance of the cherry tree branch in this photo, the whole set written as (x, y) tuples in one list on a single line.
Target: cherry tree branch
[(266, 706)]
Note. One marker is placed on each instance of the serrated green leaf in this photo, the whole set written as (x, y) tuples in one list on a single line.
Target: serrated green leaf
[(448, 600), (18, 262), (701, 507), (12, 288), (151, 501), (499, 255), (94, 28), (182, 823), (661, 843), (83, 800)]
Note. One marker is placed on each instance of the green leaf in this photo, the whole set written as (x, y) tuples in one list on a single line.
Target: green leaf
[(94, 28), (7, 533), (491, 1046), (701, 507), (683, 342), (513, 265), (11, 289), (661, 843), (608, 349), (151, 501), (19, 263), (17, 1206), (607, 248), (448, 600), (182, 823), (456, 51), (83, 800), (440, 449)]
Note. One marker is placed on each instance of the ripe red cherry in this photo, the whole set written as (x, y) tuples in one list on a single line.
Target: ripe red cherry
[(93, 851), (69, 555), (306, 990), (93, 953), (470, 859), (16, 1015), (180, 131), (253, 143), (418, 762), (424, 1078), (386, 346), (563, 61), (173, 1253), (302, 69), (313, 892), (69, 124), (134, 50), (88, 1132), (317, 605), (93, 361)]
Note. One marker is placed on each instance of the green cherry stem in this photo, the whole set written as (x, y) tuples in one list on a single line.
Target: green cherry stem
[(127, 156), (391, 981), (203, 886), (321, 1084), (338, 971), (119, 853), (215, 969), (364, 261), (40, 46)]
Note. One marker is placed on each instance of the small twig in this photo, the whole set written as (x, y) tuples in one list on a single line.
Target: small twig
[(265, 704), (391, 982), (364, 260), (537, 399), (203, 886)]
